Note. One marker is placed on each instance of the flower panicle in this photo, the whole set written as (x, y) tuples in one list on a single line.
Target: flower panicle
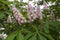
[(38, 12), (18, 16), (31, 14)]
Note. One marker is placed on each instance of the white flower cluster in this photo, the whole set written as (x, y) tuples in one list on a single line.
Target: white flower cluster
[(37, 14), (3, 36), (32, 15), (18, 16)]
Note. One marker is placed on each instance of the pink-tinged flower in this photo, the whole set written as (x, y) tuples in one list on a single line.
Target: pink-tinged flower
[(31, 14), (38, 12), (14, 9), (18, 16), (45, 4), (9, 19)]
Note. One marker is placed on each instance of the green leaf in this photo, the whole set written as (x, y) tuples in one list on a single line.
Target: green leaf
[(2, 15), (41, 37), (54, 23), (20, 36), (29, 35), (47, 35), (33, 37), (30, 0), (46, 27), (12, 36)]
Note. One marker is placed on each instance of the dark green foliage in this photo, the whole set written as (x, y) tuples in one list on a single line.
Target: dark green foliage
[(44, 29)]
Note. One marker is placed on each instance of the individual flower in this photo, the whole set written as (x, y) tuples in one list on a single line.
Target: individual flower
[(14, 9), (31, 14), (45, 4), (9, 19), (18, 16), (38, 12)]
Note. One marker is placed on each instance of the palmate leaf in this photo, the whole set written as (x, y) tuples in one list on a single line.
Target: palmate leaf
[(29, 35), (33, 37), (54, 25), (30, 0), (50, 0), (19, 36), (54, 29), (46, 27), (12, 36), (7, 2), (2, 15), (48, 36), (41, 37)]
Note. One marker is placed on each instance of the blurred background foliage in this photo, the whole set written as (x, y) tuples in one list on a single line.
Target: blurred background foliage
[(37, 30)]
